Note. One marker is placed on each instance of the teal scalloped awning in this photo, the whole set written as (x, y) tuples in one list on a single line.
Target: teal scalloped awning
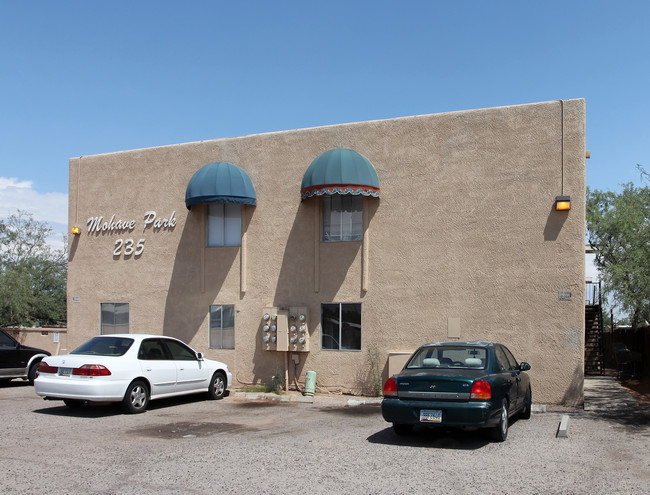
[(220, 182), (340, 171)]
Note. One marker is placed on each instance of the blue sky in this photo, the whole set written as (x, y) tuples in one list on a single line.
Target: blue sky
[(82, 77)]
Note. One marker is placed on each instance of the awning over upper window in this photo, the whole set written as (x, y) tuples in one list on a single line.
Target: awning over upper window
[(220, 182), (340, 171)]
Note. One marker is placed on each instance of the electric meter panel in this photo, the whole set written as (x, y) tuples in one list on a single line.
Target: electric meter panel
[(285, 330), (269, 327), (298, 329)]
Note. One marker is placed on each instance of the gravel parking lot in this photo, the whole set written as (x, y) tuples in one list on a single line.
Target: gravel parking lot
[(243, 446)]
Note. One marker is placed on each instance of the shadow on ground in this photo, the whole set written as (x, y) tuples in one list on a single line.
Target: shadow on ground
[(433, 438), (606, 399), (105, 409)]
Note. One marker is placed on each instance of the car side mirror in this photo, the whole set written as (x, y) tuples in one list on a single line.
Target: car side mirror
[(199, 356), (524, 366)]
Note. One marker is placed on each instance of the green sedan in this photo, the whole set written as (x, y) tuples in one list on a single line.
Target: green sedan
[(468, 385)]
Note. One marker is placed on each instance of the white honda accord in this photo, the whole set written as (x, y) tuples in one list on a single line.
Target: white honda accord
[(131, 369)]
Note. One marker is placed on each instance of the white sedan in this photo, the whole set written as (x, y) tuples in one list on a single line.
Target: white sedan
[(131, 369)]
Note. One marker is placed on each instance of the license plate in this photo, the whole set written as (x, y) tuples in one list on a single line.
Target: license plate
[(65, 371), (430, 416)]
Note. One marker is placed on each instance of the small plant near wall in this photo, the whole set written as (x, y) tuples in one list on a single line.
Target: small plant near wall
[(277, 380), (374, 362)]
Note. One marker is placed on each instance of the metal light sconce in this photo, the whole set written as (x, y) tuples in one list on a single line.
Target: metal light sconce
[(562, 203)]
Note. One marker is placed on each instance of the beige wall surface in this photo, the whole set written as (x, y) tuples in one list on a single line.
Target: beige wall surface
[(463, 243), (53, 340)]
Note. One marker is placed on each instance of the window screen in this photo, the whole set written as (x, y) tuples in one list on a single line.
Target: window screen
[(115, 318), (224, 224)]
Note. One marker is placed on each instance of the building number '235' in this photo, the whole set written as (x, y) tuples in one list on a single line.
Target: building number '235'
[(128, 247)]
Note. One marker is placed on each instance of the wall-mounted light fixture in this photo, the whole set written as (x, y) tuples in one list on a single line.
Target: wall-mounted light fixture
[(75, 230), (562, 203)]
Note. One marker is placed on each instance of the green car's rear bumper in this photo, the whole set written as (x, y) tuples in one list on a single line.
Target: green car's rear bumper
[(454, 413)]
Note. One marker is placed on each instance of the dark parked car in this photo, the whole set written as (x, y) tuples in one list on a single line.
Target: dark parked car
[(18, 360), (469, 385)]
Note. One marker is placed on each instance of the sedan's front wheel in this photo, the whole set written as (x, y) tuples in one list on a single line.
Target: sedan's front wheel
[(217, 386), (136, 398), (33, 373), (528, 405)]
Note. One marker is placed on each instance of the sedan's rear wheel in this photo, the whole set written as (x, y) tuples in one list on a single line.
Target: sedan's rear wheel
[(402, 429), (500, 431), (217, 386), (136, 398), (74, 403)]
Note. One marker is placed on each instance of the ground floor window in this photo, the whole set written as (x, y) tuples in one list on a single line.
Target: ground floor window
[(341, 326), (115, 318), (224, 224), (222, 326), (342, 218)]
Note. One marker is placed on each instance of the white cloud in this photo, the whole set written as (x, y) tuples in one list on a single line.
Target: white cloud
[(51, 207)]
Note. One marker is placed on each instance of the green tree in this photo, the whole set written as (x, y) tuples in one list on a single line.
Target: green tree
[(618, 229), (32, 274)]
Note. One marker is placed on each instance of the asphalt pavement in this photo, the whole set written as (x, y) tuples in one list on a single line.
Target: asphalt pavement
[(331, 445)]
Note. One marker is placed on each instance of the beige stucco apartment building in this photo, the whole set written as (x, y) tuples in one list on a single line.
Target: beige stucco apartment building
[(337, 249)]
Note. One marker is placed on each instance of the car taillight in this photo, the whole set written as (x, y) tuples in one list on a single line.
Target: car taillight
[(43, 367), (481, 390), (390, 388), (91, 370)]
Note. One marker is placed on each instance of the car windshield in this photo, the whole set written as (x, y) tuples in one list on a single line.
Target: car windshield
[(457, 357), (105, 346)]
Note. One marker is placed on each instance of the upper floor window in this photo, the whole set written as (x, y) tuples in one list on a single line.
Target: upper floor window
[(342, 218), (115, 318), (224, 224)]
